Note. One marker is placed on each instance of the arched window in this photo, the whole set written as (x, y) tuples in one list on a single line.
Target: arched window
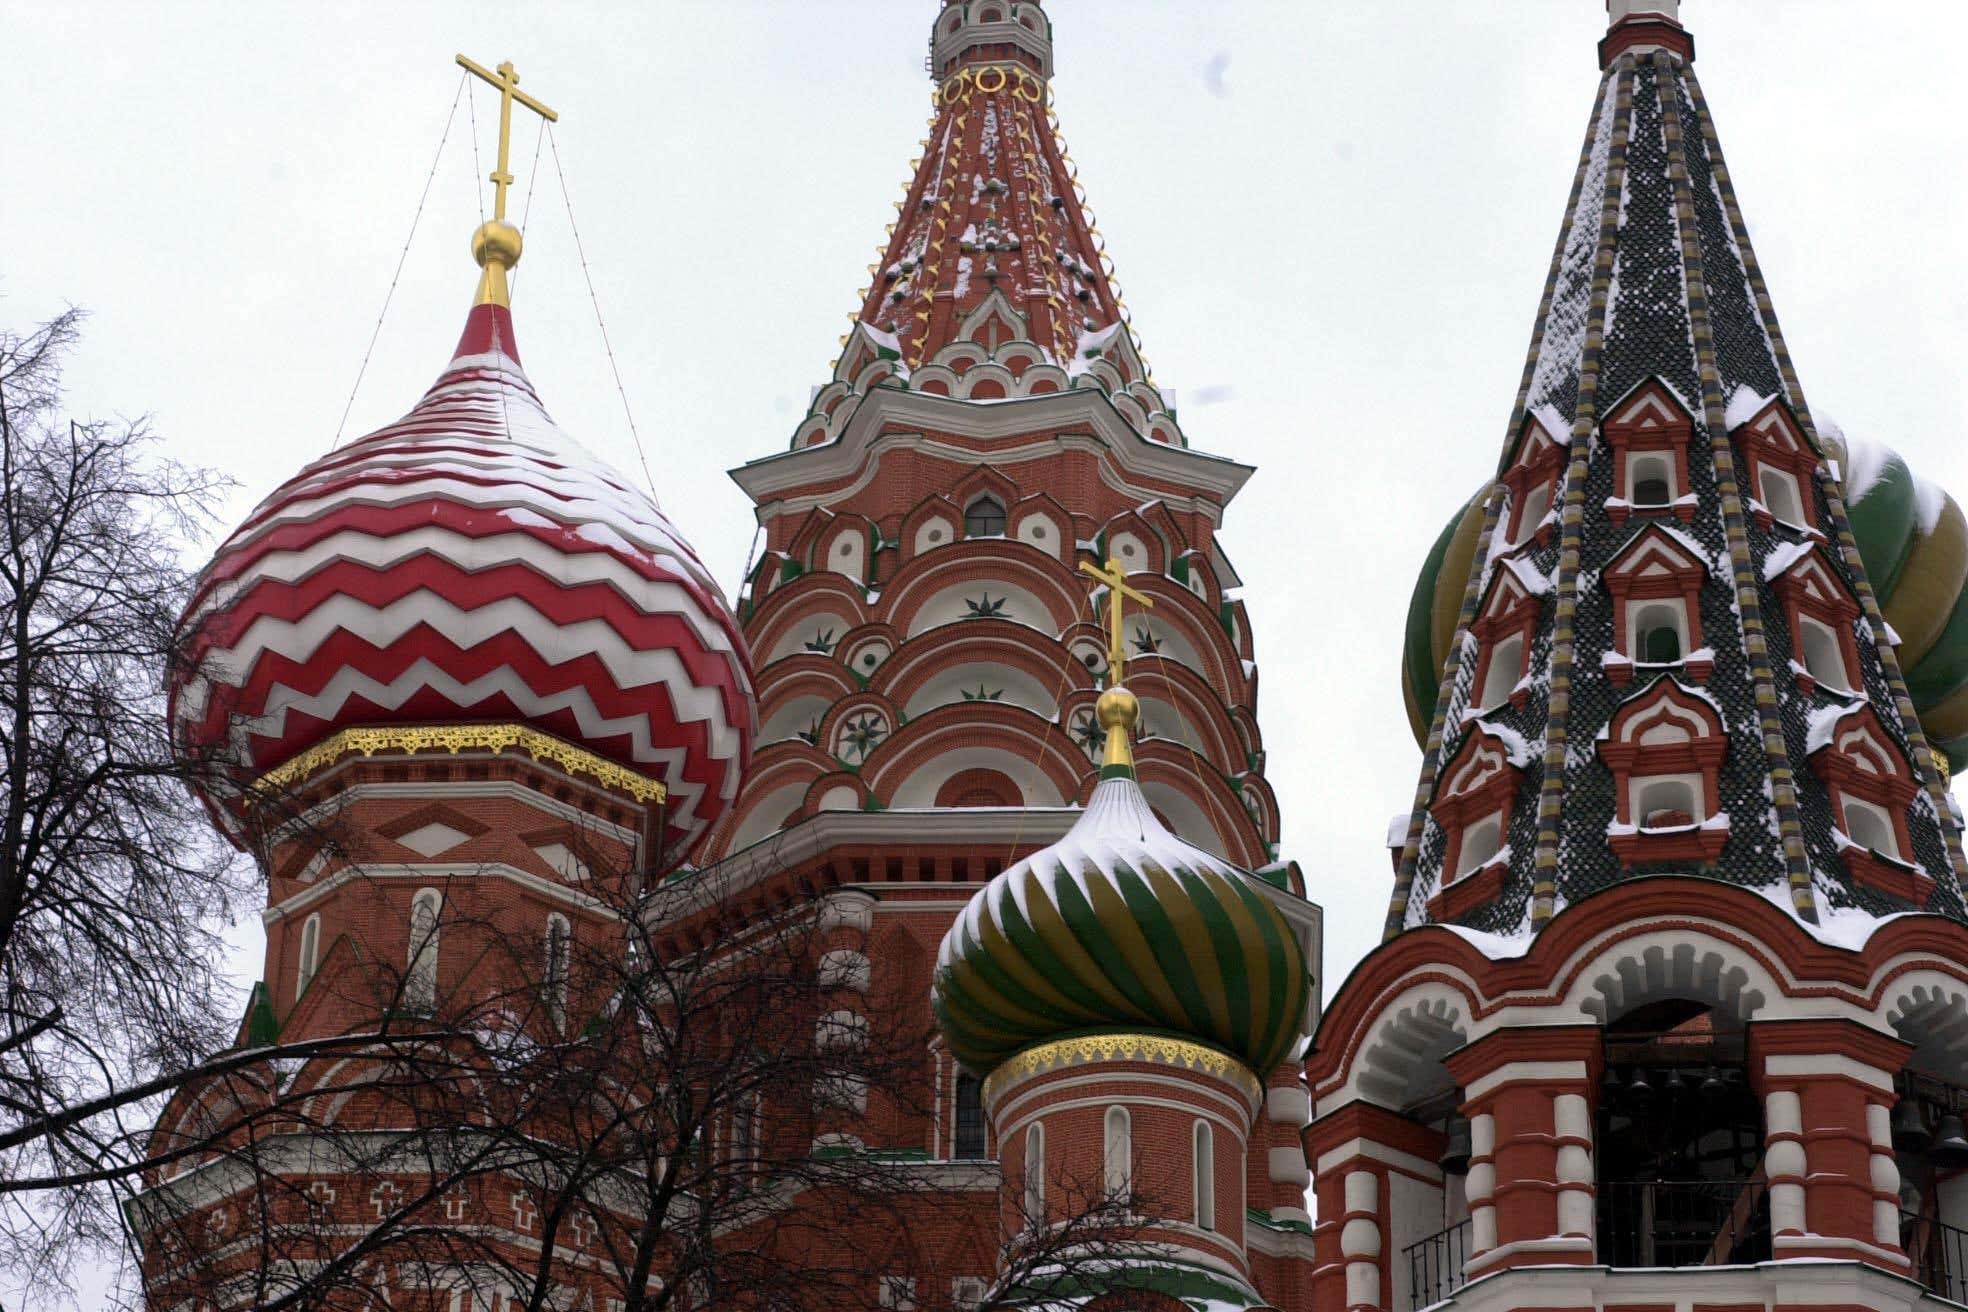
[(559, 944), (1657, 632), (1035, 1175), (1870, 826), (1537, 501), (420, 978), (970, 1119), (1665, 803), (1823, 656), (1119, 1155), (1679, 1136), (310, 953), (1777, 489), (978, 787), (985, 518), (1480, 842), (1502, 674), (1205, 1168), (1651, 478), (744, 1145)]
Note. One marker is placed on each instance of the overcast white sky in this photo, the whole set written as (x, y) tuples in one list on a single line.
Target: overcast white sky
[(1331, 221)]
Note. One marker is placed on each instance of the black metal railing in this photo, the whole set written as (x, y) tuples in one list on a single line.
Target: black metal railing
[(1683, 1222), (1939, 1254), (1435, 1265)]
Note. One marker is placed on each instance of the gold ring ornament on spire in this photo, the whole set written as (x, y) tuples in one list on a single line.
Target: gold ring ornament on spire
[(496, 244)]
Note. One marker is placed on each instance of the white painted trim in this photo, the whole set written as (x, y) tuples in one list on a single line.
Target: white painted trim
[(1261, 1238), (434, 873), (1340, 1154), (1784, 1063), (1509, 1072), (1013, 1115), (855, 453), (1792, 1284), (433, 790)]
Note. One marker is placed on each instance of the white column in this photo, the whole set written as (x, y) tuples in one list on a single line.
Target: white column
[(1359, 1240), (1572, 1118), (1480, 1184), (1783, 1160)]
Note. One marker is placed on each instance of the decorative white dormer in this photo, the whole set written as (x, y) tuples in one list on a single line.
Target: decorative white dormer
[(1871, 786), (1472, 805), (1821, 613), (1532, 477), (1656, 582), (1665, 749), (1648, 431), (1779, 466), (1505, 626)]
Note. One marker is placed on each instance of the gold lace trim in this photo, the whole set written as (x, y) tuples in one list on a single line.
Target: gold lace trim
[(455, 738), (1090, 1049)]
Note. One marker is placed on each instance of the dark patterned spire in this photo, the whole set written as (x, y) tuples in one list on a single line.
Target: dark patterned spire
[(1668, 656)]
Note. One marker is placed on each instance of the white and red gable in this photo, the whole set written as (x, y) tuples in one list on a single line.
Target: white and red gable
[(470, 563)]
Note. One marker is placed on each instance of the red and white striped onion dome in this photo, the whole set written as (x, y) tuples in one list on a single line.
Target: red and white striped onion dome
[(468, 564)]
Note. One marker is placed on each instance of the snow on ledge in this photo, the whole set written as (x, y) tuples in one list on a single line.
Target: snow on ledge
[(1849, 928), (1497, 947), (1744, 405)]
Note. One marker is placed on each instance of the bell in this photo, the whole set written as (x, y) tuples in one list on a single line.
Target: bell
[(1638, 1089), (1713, 1086), (1674, 1086), (1455, 1154), (1909, 1126), (1949, 1151)]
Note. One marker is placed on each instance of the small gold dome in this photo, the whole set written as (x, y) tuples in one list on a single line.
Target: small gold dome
[(1117, 709), (496, 240), (496, 248)]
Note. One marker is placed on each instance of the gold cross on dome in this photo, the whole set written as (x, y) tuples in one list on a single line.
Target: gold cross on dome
[(507, 80), (1117, 593)]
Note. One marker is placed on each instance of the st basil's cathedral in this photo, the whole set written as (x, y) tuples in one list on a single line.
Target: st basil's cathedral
[(1672, 1005)]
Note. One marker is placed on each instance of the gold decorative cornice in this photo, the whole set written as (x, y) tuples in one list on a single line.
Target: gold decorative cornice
[(1095, 1049), (455, 738)]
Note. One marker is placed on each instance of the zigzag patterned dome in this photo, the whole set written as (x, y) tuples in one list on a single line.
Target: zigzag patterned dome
[(1120, 925), (469, 563)]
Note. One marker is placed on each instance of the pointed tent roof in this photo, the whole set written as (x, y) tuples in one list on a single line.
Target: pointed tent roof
[(1654, 278), (994, 205)]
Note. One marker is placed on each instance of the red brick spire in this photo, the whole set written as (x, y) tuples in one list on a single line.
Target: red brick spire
[(993, 205)]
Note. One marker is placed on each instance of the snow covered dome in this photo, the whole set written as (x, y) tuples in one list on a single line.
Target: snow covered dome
[(1912, 537), (469, 563), (1120, 925)]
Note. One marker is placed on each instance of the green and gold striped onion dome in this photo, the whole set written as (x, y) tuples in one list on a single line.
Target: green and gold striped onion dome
[(1912, 537), (1120, 925)]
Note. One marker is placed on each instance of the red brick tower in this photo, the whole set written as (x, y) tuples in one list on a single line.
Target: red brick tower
[(1668, 1013), (472, 692), (929, 660)]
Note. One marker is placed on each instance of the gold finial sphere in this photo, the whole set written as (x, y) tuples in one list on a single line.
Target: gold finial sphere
[(496, 242), (1117, 709)]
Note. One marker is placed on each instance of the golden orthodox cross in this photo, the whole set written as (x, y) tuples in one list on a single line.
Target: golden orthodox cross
[(1117, 593), (508, 83)]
